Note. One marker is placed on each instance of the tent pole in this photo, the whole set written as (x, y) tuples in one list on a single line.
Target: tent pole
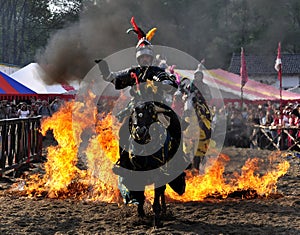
[(281, 113), (242, 98)]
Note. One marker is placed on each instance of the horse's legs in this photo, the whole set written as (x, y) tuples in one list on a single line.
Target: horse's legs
[(163, 203), (196, 162), (140, 198), (158, 192)]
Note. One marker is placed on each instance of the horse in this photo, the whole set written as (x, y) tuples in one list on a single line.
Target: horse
[(141, 150)]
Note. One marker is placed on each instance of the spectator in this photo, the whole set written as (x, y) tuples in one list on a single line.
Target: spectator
[(23, 112), (237, 120), (286, 116), (13, 111), (245, 113), (38, 103), (34, 109), (276, 123), (55, 105), (266, 118), (2, 111), (45, 110), (31, 111), (293, 120)]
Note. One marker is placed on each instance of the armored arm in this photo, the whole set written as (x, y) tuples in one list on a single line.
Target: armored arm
[(103, 66), (123, 79)]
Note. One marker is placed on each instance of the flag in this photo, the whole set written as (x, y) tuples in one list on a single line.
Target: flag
[(278, 65), (68, 87), (243, 70)]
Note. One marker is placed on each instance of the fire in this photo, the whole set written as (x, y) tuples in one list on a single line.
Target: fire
[(62, 177), (213, 181), (77, 120)]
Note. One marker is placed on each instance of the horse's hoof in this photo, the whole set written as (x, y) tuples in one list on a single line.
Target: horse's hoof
[(157, 224), (141, 213)]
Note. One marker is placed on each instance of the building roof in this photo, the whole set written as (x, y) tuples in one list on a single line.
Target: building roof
[(264, 65)]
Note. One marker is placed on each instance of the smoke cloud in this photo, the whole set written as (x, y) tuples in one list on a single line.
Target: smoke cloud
[(70, 52), (101, 31), (202, 29)]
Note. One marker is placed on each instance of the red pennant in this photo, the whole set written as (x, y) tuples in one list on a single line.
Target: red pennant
[(243, 70)]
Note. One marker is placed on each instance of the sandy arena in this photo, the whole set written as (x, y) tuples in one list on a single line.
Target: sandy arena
[(278, 214)]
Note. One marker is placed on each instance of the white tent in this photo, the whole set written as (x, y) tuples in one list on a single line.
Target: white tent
[(32, 77)]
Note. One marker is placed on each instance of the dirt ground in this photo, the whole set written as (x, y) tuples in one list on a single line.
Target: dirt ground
[(279, 214)]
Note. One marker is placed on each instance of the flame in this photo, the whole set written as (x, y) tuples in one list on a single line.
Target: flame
[(213, 181), (63, 178)]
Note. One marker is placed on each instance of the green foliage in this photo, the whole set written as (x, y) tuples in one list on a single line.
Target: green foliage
[(26, 26)]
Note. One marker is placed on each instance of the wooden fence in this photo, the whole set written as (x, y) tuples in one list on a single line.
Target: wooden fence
[(280, 138), (21, 142)]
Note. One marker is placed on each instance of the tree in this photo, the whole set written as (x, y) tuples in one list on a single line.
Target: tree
[(26, 26), (96, 28)]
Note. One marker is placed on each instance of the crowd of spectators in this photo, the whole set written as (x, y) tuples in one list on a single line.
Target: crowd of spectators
[(28, 108), (269, 116), (240, 122)]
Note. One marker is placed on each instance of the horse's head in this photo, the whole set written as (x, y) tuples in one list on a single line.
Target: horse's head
[(143, 115)]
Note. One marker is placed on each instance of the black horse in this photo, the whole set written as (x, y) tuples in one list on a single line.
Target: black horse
[(149, 138)]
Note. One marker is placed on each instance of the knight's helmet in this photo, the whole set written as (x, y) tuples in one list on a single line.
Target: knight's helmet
[(198, 74), (143, 46)]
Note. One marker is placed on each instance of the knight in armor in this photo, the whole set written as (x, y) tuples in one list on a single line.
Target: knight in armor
[(149, 82), (197, 87), (136, 77), (198, 96), (143, 80)]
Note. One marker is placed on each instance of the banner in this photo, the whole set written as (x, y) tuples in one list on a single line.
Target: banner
[(278, 65), (243, 70)]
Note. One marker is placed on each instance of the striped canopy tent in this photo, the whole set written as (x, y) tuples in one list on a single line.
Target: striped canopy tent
[(10, 89), (229, 85), (34, 76)]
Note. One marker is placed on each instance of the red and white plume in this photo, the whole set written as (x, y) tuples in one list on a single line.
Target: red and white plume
[(140, 33), (143, 38)]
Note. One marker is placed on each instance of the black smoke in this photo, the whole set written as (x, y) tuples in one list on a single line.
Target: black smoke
[(204, 29), (71, 51), (101, 31)]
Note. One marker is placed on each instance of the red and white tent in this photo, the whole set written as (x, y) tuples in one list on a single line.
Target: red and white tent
[(229, 85), (33, 75)]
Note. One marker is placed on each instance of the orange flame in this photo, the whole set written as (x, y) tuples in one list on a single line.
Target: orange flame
[(213, 182), (63, 179)]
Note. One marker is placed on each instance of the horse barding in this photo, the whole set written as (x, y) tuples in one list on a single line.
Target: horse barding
[(150, 149)]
